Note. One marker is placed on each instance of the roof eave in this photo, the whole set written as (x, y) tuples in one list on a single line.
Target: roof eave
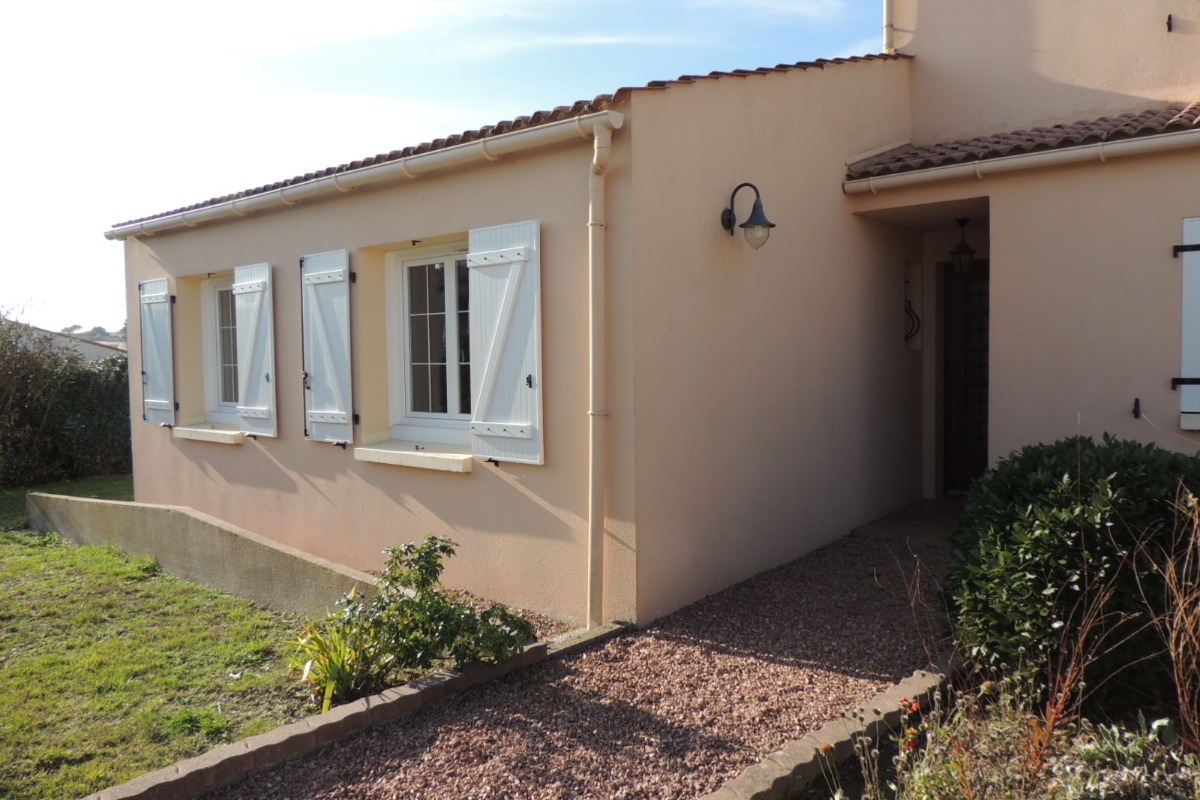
[(979, 168), (483, 150)]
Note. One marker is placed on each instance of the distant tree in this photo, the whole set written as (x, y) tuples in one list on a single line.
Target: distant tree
[(60, 417), (70, 329), (124, 332), (95, 333)]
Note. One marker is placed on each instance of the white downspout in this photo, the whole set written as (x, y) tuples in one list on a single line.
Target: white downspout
[(889, 26), (602, 147)]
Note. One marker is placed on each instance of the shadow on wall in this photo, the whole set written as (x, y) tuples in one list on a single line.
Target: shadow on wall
[(501, 502)]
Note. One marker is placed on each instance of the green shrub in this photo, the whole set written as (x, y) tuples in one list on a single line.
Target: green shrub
[(411, 625), (61, 417), (1048, 535)]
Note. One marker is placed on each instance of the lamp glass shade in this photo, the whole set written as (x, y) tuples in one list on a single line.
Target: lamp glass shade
[(757, 235), (962, 257)]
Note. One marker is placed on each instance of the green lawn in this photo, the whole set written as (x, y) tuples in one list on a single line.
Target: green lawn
[(108, 487), (109, 669)]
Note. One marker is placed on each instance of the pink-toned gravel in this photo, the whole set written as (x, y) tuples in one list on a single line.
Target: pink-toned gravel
[(673, 710)]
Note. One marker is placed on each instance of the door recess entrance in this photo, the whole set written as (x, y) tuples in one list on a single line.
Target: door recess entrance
[(965, 376)]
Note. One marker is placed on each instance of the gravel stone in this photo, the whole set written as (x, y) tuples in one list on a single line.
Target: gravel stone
[(673, 710)]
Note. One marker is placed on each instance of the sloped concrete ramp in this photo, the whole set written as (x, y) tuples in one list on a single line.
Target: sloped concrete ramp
[(200, 548)]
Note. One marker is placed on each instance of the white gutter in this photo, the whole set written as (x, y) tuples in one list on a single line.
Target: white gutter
[(889, 26), (602, 147), (489, 149), (1101, 151)]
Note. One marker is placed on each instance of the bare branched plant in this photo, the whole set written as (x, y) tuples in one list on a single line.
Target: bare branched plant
[(1177, 562)]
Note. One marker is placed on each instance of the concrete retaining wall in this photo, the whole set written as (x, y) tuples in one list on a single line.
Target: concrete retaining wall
[(200, 548)]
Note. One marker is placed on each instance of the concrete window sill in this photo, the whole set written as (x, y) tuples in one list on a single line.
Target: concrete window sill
[(418, 455), (209, 432)]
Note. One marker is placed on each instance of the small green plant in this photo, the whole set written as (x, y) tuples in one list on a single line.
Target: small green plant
[(411, 625)]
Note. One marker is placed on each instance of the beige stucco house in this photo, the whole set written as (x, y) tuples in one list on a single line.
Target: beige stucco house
[(538, 338)]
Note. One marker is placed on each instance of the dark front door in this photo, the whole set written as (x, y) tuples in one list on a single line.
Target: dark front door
[(965, 343)]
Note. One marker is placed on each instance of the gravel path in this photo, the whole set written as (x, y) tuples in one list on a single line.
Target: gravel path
[(673, 710)]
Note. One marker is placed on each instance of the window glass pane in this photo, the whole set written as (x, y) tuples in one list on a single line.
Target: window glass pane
[(427, 337), (464, 338), (464, 283), (463, 304), (227, 346), (464, 389), (420, 388), (437, 288), (437, 376), (437, 338), (418, 289), (419, 336)]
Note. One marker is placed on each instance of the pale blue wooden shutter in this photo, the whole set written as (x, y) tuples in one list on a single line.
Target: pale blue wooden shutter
[(506, 362), (1189, 396), (325, 311), (255, 350), (158, 376)]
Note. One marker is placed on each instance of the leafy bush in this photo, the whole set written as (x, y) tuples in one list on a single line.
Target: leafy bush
[(1043, 558), (411, 625), (61, 417)]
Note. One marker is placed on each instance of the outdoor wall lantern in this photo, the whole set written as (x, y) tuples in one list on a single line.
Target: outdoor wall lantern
[(757, 228), (963, 255)]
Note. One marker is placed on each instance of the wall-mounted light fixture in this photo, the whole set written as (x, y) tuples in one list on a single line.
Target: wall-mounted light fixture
[(757, 228), (963, 255)]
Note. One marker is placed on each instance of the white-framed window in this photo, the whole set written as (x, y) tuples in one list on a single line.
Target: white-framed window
[(429, 344), (464, 347), (238, 350), (218, 332)]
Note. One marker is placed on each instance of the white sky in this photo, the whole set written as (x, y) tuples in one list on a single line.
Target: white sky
[(123, 109)]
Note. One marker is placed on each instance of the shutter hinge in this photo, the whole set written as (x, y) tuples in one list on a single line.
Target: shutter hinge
[(1184, 248), (354, 277), (1177, 382), (355, 417)]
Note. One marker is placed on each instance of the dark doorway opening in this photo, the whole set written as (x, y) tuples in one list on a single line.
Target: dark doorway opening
[(965, 376)]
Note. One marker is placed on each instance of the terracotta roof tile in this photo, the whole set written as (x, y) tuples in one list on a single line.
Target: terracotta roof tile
[(910, 158), (577, 109)]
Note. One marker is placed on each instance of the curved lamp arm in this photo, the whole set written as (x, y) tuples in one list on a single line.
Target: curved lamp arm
[(757, 228)]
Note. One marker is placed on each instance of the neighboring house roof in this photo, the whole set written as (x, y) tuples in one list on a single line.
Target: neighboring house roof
[(911, 158), (88, 348), (577, 109)]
